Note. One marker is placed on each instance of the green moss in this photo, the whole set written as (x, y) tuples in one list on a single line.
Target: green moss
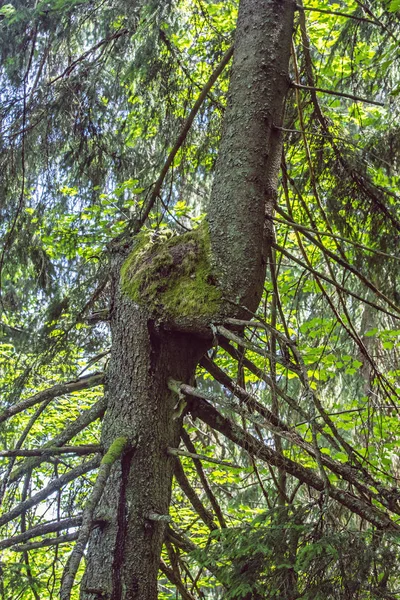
[(114, 451), (172, 277)]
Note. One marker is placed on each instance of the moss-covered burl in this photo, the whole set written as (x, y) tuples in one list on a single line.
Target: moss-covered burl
[(172, 276)]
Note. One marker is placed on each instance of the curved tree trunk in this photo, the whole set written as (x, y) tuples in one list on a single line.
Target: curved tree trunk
[(124, 553), (249, 157)]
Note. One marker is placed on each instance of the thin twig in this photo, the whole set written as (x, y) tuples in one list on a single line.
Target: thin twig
[(185, 130), (202, 457), (334, 93), (53, 486), (336, 13)]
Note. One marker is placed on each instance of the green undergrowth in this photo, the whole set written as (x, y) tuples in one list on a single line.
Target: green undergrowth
[(172, 276)]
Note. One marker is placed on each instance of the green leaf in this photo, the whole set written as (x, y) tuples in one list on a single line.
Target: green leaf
[(388, 345), (7, 11), (373, 331), (394, 6)]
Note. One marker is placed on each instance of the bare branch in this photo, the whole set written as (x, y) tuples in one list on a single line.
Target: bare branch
[(40, 409), (52, 451), (290, 223), (376, 20), (98, 316), (299, 86), (204, 514), (53, 486), (85, 418), (158, 518), (357, 476), (67, 72), (337, 13), (209, 415), (185, 130), (202, 476), (170, 575), (40, 530), (264, 377), (83, 383), (346, 265), (62, 539), (178, 538), (203, 457), (229, 335), (335, 284)]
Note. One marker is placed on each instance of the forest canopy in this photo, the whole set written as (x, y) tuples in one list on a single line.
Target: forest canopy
[(126, 162)]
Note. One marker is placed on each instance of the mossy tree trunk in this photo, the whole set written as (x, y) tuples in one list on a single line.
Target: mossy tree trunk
[(124, 552)]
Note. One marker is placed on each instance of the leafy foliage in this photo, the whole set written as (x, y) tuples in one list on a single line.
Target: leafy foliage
[(94, 96)]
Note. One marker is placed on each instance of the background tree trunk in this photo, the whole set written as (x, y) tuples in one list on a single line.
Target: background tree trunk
[(124, 554)]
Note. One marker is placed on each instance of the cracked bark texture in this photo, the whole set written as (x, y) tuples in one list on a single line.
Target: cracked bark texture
[(124, 552), (245, 182)]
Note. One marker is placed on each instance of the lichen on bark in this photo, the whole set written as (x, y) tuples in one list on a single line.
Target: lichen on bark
[(172, 276)]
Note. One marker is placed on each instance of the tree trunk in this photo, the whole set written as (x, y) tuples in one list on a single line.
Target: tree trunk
[(249, 157), (124, 553)]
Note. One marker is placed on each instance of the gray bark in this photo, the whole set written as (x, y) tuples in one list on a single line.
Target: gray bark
[(249, 157), (124, 554)]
